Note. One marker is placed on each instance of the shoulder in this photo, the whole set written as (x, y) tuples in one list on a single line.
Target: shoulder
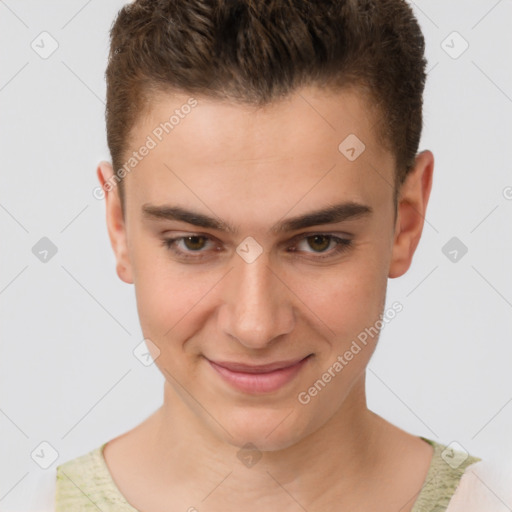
[(78, 469), (485, 486), (73, 482), (447, 466), (84, 484)]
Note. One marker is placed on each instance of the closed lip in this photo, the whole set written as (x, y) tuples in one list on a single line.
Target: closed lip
[(262, 368)]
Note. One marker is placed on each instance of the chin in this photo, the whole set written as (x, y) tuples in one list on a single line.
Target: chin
[(274, 431)]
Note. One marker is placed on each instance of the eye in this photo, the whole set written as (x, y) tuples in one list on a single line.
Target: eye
[(319, 242), (195, 246), (191, 243)]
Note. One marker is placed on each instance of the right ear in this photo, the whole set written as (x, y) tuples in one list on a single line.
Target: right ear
[(115, 221)]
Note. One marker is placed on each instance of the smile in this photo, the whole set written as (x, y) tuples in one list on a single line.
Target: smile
[(258, 379)]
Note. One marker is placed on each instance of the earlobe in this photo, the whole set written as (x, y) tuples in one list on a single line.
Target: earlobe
[(412, 206), (115, 221)]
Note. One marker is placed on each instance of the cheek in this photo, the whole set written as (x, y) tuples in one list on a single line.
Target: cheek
[(163, 294), (347, 297), (168, 302), (172, 299)]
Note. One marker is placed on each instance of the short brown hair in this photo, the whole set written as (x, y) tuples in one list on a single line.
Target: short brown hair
[(257, 51)]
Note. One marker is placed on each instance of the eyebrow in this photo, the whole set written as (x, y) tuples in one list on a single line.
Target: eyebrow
[(329, 215)]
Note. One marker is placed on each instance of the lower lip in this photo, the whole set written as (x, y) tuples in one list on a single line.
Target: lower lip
[(259, 382)]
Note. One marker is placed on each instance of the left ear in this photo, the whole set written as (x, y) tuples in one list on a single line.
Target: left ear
[(412, 206)]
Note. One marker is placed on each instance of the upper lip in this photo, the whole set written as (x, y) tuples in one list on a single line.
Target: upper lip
[(262, 368)]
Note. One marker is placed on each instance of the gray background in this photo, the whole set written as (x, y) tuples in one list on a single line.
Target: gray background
[(68, 375)]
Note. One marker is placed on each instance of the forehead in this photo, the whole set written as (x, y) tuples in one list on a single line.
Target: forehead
[(236, 131), (309, 137)]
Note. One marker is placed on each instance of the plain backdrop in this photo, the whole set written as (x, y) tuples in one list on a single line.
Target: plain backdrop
[(68, 375)]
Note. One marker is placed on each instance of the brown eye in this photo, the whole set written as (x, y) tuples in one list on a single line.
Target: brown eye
[(194, 243), (319, 246), (319, 242), (189, 247)]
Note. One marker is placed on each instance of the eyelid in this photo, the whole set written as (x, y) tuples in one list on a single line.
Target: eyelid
[(334, 234)]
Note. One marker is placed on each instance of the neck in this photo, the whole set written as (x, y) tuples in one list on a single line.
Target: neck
[(336, 457)]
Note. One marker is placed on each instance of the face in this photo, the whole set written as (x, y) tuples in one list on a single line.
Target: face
[(233, 262)]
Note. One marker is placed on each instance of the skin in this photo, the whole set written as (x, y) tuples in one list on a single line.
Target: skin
[(252, 168)]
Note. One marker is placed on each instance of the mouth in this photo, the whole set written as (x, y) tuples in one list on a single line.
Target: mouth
[(259, 378)]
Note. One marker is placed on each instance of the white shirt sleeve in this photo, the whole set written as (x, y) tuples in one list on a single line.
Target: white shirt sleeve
[(485, 486)]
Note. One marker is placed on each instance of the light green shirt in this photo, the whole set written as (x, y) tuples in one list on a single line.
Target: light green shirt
[(84, 484)]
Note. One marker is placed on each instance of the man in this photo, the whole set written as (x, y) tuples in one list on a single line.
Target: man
[(265, 184)]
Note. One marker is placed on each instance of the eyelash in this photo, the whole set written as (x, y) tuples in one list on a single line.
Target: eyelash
[(342, 245)]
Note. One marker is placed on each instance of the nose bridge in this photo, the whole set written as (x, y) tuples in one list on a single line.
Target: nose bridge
[(258, 308)]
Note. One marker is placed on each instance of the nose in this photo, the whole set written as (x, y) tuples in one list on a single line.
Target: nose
[(258, 305)]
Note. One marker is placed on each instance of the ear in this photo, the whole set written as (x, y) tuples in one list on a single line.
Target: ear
[(115, 221), (412, 206)]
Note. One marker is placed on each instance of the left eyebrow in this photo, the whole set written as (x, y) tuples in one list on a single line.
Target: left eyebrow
[(329, 215)]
